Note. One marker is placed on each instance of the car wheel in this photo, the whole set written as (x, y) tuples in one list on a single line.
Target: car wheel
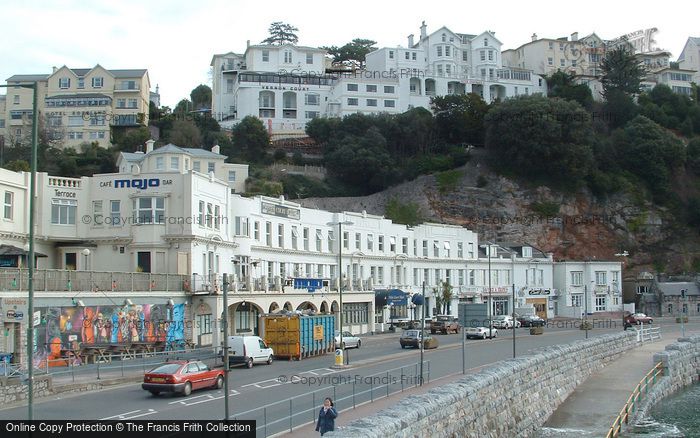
[(483, 336), (155, 393), (403, 346), (359, 343), (188, 389), (342, 346), (249, 363), (495, 335), (219, 382), (269, 360)]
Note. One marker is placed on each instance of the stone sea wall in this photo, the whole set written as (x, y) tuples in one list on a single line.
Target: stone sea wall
[(513, 398)]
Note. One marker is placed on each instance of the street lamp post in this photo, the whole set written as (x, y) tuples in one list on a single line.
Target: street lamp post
[(31, 262), (623, 254), (490, 312), (340, 281)]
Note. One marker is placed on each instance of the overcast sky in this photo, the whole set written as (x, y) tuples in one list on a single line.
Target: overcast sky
[(175, 40)]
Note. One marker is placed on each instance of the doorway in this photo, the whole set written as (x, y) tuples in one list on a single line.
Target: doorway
[(143, 261), (71, 261)]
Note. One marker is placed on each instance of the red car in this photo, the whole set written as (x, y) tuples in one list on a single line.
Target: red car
[(182, 376), (638, 318)]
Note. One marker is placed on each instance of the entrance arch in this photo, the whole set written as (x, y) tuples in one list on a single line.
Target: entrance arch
[(288, 306), (274, 307), (307, 305), (243, 318), (324, 307)]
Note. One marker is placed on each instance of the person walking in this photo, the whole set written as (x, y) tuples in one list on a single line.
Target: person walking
[(326, 417)]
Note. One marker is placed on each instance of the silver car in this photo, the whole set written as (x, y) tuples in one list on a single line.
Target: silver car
[(481, 333), (349, 340)]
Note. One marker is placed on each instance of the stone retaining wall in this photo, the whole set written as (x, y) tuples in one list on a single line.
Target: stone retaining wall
[(513, 398), (12, 390), (681, 361)]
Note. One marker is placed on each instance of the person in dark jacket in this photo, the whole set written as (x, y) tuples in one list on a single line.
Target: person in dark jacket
[(326, 417)]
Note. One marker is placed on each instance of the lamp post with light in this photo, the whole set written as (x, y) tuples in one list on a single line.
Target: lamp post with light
[(31, 262), (624, 255), (340, 282)]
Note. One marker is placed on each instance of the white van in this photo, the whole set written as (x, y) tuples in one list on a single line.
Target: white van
[(248, 350)]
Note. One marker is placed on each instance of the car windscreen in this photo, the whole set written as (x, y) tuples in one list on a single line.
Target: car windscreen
[(168, 368)]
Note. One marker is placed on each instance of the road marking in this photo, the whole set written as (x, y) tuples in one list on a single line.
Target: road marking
[(271, 383), (204, 398), (130, 415)]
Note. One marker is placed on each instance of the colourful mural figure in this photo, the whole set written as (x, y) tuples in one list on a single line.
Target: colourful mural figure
[(65, 327)]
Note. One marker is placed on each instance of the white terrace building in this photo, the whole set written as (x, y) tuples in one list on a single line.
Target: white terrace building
[(170, 223), (286, 86)]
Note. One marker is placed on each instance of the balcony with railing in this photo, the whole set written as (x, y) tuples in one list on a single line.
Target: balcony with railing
[(61, 280), (66, 183)]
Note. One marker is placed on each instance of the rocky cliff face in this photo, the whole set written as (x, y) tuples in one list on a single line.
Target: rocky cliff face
[(573, 226)]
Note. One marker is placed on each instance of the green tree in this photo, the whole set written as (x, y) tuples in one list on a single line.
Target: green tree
[(535, 136), (183, 107), (201, 97), (322, 129), (362, 161), (561, 84), (281, 33), (251, 138), (131, 139), (408, 213), (443, 297), (460, 118), (17, 166), (621, 71), (650, 152), (693, 155), (619, 108), (352, 53), (184, 133)]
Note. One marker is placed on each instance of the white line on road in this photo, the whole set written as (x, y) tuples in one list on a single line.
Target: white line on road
[(205, 398), (271, 383), (129, 415)]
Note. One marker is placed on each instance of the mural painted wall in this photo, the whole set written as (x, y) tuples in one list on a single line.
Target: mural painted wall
[(67, 328)]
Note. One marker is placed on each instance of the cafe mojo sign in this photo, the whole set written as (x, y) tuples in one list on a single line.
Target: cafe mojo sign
[(280, 211)]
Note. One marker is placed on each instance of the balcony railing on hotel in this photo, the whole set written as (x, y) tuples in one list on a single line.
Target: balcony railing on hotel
[(213, 284), (51, 280), (71, 183)]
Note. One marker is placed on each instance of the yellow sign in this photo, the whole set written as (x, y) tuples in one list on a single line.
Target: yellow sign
[(339, 357), (318, 333)]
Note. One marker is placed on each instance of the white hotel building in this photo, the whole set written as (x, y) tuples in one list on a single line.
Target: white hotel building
[(170, 223), (286, 86)]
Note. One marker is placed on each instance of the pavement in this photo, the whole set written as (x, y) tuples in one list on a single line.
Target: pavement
[(593, 406), (588, 411)]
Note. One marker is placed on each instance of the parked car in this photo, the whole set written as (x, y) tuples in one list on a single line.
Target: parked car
[(183, 377), (444, 324), (481, 333), (349, 340), (248, 350), (504, 322), (413, 338), (638, 318), (531, 321)]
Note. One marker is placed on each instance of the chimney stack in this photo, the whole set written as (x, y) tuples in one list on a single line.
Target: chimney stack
[(54, 69), (423, 31), (216, 149), (247, 44), (410, 41), (534, 37), (574, 36), (149, 145)]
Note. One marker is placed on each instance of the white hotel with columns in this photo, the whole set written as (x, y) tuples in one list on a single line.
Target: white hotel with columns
[(286, 86), (171, 222)]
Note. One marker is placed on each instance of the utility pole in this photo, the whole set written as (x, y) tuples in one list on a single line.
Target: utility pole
[(422, 330), (224, 323)]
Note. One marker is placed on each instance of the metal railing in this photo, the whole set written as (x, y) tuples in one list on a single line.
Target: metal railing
[(648, 333), (108, 366), (285, 415), (17, 279), (640, 390)]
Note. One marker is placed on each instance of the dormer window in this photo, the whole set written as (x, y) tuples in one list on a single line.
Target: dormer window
[(486, 42), (64, 83), (444, 37), (266, 55), (97, 82), (287, 56), (527, 251)]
